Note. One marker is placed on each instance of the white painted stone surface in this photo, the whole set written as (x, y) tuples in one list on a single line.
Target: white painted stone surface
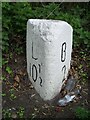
[(49, 47)]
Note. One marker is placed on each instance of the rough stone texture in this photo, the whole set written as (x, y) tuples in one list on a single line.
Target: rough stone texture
[(49, 47)]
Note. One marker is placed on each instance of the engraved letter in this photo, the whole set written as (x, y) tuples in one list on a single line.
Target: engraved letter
[(34, 73), (33, 53), (63, 52)]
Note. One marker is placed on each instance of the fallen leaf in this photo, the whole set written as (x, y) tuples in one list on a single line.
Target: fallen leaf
[(15, 60), (31, 87), (22, 72), (46, 106), (35, 109), (17, 78), (32, 95), (15, 84), (43, 113)]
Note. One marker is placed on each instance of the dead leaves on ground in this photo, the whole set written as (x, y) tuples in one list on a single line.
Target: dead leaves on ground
[(18, 78), (16, 81)]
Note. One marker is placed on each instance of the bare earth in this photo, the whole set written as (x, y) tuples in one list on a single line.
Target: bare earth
[(26, 98)]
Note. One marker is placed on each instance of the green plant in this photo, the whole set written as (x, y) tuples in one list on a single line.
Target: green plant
[(5, 41), (9, 70), (19, 50), (10, 55), (4, 61), (3, 78), (6, 26), (21, 112), (82, 113), (12, 94), (3, 94), (80, 66), (6, 113), (16, 15)]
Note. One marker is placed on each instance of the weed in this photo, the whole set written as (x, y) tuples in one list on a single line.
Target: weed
[(6, 113), (80, 66), (11, 55), (19, 50), (82, 53), (84, 75), (21, 112), (0, 61), (3, 78), (4, 61), (82, 113), (3, 94), (9, 70), (12, 95)]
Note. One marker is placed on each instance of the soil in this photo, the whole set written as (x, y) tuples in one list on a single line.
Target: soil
[(27, 97)]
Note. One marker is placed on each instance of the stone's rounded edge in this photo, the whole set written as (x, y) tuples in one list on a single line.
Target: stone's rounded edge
[(68, 25), (28, 21)]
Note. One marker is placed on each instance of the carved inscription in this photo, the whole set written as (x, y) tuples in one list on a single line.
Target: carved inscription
[(63, 52), (63, 58), (35, 69)]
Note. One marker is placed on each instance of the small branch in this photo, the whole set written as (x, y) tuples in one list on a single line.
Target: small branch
[(13, 86)]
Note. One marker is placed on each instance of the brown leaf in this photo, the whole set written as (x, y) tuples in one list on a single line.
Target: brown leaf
[(17, 78), (15, 84), (22, 72)]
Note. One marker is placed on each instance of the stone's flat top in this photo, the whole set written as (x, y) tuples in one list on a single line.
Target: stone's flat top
[(47, 21)]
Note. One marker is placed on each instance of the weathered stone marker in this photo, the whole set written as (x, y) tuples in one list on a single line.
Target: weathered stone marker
[(49, 47)]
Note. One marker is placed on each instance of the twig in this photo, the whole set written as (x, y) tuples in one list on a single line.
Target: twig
[(12, 85)]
